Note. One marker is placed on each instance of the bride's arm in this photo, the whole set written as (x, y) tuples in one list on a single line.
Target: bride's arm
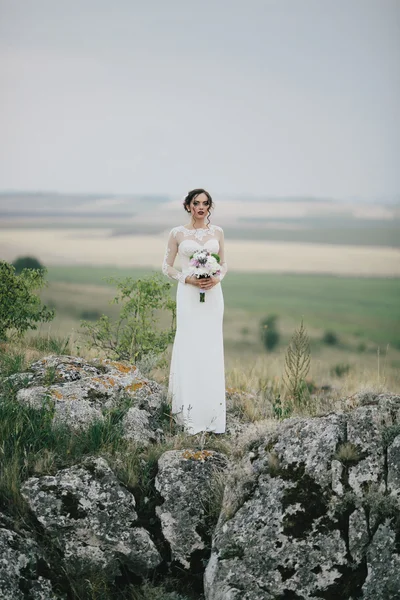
[(169, 259), (223, 264)]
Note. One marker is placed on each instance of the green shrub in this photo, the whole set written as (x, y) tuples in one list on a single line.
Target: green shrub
[(269, 333), (20, 308), (27, 262), (135, 335), (340, 369), (280, 411), (330, 338)]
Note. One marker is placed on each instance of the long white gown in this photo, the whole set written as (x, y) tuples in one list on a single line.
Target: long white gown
[(196, 386)]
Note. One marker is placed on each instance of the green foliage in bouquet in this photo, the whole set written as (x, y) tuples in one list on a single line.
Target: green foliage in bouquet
[(135, 334), (20, 308)]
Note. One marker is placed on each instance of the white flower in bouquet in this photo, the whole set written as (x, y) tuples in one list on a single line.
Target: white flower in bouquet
[(204, 265)]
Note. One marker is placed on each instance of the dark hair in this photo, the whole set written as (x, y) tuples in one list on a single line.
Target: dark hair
[(192, 195)]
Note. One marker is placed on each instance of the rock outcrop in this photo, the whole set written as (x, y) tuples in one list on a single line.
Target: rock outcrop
[(91, 519), (188, 482), (313, 512), (310, 511), (80, 393), (22, 566)]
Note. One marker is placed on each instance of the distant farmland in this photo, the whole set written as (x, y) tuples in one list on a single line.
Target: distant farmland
[(100, 247), (292, 219)]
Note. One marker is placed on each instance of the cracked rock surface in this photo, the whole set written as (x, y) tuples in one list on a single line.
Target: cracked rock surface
[(80, 392), (313, 512), (20, 559), (185, 483), (91, 518)]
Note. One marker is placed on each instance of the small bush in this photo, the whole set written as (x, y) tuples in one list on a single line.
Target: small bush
[(27, 262), (340, 369), (280, 411), (20, 308), (269, 333), (135, 333), (148, 362), (330, 338)]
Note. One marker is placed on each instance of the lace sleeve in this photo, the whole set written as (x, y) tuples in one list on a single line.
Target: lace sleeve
[(223, 264), (169, 259)]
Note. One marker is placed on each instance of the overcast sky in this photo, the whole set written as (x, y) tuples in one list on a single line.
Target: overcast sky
[(283, 97)]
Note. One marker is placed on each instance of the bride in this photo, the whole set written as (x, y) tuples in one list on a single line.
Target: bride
[(197, 375)]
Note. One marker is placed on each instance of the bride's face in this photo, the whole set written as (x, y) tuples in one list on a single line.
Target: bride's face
[(200, 206)]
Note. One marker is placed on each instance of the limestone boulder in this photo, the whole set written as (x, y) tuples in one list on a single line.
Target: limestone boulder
[(313, 511), (188, 483), (79, 392), (22, 566), (91, 518)]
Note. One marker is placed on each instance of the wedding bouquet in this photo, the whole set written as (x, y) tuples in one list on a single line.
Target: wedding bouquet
[(204, 264)]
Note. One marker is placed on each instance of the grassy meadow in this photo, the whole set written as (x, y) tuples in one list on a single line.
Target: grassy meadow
[(363, 313), (336, 264)]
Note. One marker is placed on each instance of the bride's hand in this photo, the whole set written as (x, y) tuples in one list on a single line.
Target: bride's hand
[(209, 282), (203, 283), (193, 280)]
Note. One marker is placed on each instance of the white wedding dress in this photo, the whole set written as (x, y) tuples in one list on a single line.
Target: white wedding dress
[(197, 375)]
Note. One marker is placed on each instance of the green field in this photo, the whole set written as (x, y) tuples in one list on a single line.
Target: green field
[(336, 234), (367, 308)]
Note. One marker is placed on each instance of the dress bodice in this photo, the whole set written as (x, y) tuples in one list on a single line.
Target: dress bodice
[(185, 242), (190, 240)]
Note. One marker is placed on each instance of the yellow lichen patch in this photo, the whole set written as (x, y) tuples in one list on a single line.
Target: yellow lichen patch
[(103, 383), (197, 454), (232, 390), (57, 394), (123, 368), (135, 386)]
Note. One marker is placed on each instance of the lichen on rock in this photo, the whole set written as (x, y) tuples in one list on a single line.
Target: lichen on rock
[(311, 523), (79, 392), (21, 563), (92, 519), (184, 482)]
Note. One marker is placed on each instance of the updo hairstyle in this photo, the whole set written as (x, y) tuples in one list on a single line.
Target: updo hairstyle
[(192, 195)]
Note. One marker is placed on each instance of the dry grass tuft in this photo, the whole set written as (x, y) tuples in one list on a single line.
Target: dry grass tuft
[(348, 454)]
